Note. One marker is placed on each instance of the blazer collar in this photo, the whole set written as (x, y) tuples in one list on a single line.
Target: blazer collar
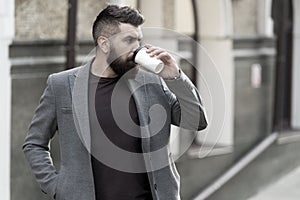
[(78, 81)]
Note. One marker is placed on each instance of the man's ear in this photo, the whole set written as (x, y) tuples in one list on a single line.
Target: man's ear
[(103, 44)]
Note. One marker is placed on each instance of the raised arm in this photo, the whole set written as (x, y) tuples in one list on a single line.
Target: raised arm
[(187, 109)]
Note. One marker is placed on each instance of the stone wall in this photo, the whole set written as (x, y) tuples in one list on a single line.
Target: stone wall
[(87, 12), (47, 19), (244, 17), (35, 19)]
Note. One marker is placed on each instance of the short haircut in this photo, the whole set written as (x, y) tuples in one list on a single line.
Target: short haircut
[(108, 20)]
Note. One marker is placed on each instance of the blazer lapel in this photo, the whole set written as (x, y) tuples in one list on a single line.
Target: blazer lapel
[(79, 89), (138, 89), (79, 92)]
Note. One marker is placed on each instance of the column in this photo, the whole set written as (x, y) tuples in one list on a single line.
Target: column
[(6, 36), (296, 68), (216, 82)]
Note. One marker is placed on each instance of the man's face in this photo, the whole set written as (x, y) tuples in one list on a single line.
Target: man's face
[(122, 46)]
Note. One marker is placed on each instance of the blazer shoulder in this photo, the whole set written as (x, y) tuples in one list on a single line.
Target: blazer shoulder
[(66, 73), (63, 75)]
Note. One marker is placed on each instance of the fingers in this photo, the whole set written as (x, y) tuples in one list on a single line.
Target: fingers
[(166, 58), (148, 46), (163, 56), (152, 49), (157, 51)]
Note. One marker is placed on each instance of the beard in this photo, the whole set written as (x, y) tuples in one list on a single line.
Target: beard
[(121, 65)]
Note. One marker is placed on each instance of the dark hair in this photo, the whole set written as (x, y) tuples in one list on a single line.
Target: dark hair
[(108, 20)]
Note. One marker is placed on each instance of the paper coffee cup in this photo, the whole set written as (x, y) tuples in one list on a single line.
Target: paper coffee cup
[(152, 64)]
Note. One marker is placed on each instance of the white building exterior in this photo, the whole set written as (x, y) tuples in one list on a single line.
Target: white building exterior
[(6, 36)]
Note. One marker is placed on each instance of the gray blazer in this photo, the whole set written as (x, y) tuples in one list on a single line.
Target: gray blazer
[(63, 109)]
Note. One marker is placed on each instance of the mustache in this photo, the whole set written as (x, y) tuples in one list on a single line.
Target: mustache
[(130, 57)]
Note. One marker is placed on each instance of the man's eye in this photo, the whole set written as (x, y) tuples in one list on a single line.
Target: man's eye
[(130, 40)]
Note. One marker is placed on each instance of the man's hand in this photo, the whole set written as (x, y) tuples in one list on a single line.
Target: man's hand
[(171, 69)]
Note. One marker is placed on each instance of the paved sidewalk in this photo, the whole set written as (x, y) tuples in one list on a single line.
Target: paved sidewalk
[(286, 188)]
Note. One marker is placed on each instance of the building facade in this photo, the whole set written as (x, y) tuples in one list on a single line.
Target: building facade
[(235, 71)]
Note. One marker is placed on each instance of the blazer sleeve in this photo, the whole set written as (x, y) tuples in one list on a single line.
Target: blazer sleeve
[(187, 109), (37, 143)]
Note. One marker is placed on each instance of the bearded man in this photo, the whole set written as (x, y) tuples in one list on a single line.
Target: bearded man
[(113, 119)]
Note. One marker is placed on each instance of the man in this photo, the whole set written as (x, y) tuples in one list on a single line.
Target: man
[(113, 120)]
